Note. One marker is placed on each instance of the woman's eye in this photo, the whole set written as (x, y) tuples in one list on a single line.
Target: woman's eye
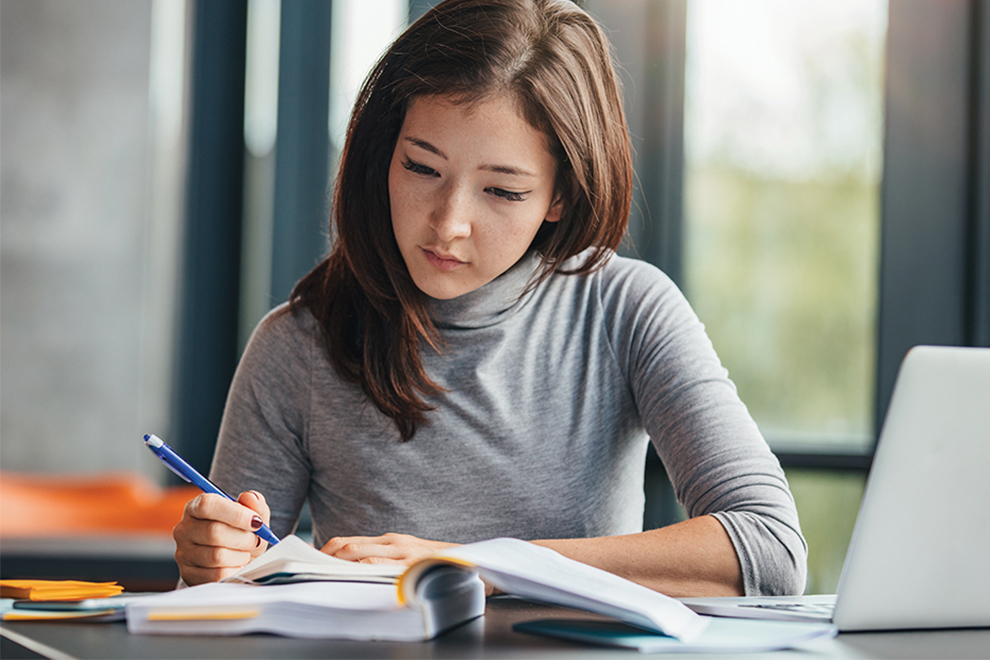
[(416, 168), (507, 195)]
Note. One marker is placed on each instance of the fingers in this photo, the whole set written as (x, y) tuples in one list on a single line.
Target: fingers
[(364, 549), (255, 501), (385, 549), (215, 537), (201, 563), (356, 548), (215, 520)]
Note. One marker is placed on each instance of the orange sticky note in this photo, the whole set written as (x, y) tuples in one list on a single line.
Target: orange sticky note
[(57, 589)]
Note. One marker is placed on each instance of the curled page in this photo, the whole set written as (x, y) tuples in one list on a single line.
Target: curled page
[(530, 571)]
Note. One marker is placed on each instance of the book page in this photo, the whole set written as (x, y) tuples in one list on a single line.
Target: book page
[(219, 597), (523, 569), (293, 559)]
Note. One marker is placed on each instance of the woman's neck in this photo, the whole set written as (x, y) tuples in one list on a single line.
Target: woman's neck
[(489, 304)]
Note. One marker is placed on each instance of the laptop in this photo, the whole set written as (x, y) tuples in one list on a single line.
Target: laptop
[(919, 556)]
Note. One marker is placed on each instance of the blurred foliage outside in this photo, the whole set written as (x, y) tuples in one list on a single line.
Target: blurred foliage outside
[(783, 135), (827, 503), (783, 273)]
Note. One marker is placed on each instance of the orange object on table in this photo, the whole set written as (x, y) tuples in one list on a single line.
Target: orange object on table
[(35, 505), (57, 590)]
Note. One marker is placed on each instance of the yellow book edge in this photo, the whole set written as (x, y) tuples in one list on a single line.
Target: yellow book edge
[(42, 615), (407, 581), (203, 615)]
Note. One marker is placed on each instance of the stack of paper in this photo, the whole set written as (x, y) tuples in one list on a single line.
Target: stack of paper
[(57, 589), (343, 610)]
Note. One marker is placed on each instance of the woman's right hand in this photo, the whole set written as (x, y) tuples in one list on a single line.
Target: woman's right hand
[(216, 538)]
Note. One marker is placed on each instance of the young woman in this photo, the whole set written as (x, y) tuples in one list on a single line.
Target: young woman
[(473, 360)]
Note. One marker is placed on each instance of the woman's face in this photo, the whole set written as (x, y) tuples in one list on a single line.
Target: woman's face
[(469, 185)]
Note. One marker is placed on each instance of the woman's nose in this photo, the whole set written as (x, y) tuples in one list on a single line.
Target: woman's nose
[(452, 217)]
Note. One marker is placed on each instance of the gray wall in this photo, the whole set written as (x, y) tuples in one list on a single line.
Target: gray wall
[(80, 379)]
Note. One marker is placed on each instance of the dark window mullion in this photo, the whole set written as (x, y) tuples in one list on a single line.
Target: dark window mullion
[(303, 150), (925, 196), (210, 287), (978, 323), (661, 167)]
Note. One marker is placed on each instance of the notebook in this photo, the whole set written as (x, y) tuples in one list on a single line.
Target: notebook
[(918, 554)]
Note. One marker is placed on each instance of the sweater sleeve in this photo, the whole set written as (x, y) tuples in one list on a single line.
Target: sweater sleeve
[(263, 433), (717, 460)]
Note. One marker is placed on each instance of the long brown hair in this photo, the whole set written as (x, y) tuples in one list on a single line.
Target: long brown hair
[(554, 59)]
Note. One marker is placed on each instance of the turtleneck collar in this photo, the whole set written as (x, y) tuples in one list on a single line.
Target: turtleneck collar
[(489, 304)]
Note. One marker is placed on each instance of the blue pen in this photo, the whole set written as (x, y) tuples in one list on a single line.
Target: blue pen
[(176, 464)]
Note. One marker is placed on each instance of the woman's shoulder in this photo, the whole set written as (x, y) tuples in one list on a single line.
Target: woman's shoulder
[(286, 320), (624, 277), (632, 297), (284, 333)]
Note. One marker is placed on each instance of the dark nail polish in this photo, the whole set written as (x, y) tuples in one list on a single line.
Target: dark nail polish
[(257, 522), (257, 541)]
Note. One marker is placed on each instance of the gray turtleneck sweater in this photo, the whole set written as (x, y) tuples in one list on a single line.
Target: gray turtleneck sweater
[(551, 401)]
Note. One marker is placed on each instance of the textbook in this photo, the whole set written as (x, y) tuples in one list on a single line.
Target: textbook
[(380, 602)]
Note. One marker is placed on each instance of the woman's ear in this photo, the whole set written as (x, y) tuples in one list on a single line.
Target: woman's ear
[(556, 209)]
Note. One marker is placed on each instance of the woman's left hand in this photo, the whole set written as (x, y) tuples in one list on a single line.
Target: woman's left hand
[(385, 549)]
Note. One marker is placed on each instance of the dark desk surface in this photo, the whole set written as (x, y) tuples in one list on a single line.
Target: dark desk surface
[(139, 563), (488, 637)]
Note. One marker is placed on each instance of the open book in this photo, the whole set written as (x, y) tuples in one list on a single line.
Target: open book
[(361, 601), (295, 560)]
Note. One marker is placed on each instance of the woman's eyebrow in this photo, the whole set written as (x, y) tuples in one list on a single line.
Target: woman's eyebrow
[(507, 169), (499, 169), (423, 144)]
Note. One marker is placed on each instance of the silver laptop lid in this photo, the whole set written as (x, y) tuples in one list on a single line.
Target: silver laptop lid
[(920, 551)]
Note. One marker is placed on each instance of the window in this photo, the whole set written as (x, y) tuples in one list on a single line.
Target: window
[(783, 143)]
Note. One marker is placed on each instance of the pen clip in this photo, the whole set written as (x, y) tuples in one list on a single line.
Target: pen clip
[(174, 471), (162, 451)]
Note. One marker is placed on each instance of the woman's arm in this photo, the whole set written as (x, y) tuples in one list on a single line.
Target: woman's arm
[(691, 558), (261, 445), (719, 465), (259, 454)]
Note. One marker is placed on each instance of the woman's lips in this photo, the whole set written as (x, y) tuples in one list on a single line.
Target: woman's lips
[(442, 261)]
